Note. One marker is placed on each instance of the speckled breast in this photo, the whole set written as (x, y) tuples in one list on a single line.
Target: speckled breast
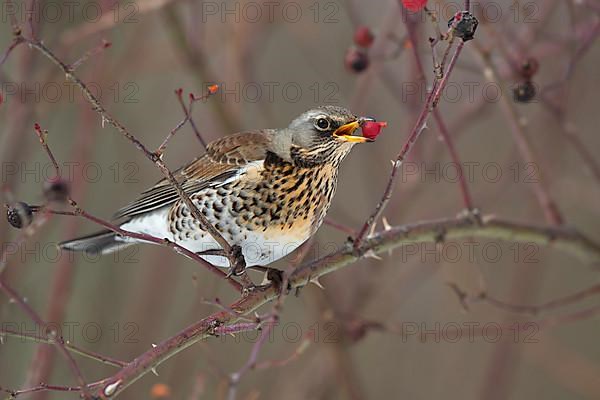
[(269, 210)]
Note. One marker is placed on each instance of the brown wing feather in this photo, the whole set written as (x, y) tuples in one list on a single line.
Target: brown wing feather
[(223, 159)]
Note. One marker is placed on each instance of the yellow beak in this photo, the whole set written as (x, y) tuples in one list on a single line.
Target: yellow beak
[(345, 132)]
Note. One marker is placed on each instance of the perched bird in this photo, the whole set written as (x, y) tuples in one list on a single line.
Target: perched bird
[(266, 191)]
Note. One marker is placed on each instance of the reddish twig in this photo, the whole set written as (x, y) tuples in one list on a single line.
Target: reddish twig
[(17, 41), (419, 127), (462, 180), (547, 204), (188, 117), (144, 237), (234, 256), (101, 47), (71, 347), (58, 341), (80, 212), (483, 297)]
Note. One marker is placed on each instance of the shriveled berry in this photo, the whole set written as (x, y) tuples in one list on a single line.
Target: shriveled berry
[(19, 215), (363, 37), (529, 68), (356, 60), (465, 25), (56, 190), (524, 92)]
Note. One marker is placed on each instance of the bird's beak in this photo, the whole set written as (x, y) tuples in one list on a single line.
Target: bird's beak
[(345, 132)]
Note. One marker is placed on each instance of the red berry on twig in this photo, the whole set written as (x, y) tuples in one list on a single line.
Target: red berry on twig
[(414, 5), (363, 37)]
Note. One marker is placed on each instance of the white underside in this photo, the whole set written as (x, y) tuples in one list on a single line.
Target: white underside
[(257, 248)]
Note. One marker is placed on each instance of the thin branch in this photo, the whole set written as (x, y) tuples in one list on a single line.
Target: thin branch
[(57, 341), (234, 256), (71, 347), (419, 127), (547, 204), (101, 47), (188, 117), (484, 297), (464, 188), (78, 211), (142, 236), (42, 387)]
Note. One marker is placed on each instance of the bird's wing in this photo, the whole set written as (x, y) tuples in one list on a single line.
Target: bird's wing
[(224, 159)]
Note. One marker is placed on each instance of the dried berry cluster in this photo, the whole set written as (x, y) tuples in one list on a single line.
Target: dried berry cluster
[(357, 57)]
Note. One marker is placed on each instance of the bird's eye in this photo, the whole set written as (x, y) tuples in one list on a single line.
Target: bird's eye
[(322, 124)]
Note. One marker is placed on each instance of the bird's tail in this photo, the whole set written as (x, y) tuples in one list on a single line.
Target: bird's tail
[(104, 242)]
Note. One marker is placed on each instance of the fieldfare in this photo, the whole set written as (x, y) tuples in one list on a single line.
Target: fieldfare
[(266, 191)]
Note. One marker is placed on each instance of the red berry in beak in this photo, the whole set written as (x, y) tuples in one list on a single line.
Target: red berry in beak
[(371, 129)]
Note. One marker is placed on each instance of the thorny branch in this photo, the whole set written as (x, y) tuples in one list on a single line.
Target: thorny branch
[(425, 232)]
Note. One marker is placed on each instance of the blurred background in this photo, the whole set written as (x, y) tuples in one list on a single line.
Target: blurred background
[(273, 60)]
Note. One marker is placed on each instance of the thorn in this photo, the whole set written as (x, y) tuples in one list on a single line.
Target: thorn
[(316, 282), (386, 224), (265, 280), (487, 218), (154, 371), (387, 227), (372, 254), (153, 345), (110, 389), (372, 230)]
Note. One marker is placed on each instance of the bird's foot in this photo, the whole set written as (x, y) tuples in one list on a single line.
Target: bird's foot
[(236, 261), (273, 277)]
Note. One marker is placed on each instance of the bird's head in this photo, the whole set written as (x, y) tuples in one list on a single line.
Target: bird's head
[(321, 135)]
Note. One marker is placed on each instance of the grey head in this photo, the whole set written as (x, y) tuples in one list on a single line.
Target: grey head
[(320, 135)]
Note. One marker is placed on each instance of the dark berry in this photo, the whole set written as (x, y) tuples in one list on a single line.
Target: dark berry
[(529, 68), (56, 190), (19, 215), (524, 92), (356, 60), (363, 37), (464, 24)]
